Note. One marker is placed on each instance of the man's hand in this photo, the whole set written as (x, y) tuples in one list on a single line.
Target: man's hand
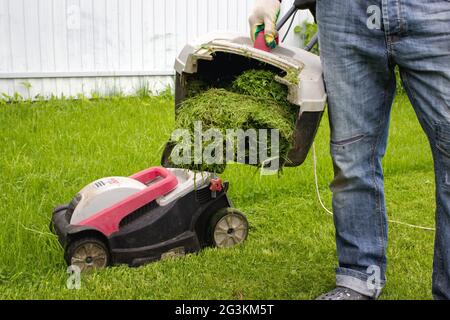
[(264, 18)]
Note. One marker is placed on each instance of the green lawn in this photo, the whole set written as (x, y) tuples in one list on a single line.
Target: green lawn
[(52, 149)]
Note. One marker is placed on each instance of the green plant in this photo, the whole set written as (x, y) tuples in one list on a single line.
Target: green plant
[(144, 90), (306, 31), (27, 86), (167, 93), (5, 97), (17, 97), (96, 95)]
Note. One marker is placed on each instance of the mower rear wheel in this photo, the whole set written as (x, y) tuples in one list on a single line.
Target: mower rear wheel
[(88, 254), (228, 227)]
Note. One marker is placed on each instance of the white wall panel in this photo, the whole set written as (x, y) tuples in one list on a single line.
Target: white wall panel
[(80, 46)]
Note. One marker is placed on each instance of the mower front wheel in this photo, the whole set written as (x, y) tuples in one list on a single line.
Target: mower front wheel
[(88, 254), (228, 227)]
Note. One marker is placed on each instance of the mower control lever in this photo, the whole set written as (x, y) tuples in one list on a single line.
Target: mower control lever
[(298, 5)]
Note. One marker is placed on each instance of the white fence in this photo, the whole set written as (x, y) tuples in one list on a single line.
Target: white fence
[(81, 46)]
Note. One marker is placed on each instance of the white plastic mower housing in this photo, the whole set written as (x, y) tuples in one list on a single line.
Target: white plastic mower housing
[(302, 69), (106, 192)]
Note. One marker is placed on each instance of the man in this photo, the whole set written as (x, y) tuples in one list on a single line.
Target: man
[(361, 41)]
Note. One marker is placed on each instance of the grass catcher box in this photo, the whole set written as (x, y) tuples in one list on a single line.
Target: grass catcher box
[(216, 60)]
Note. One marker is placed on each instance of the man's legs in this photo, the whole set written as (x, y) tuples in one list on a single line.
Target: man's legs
[(415, 35), (423, 54), (361, 84)]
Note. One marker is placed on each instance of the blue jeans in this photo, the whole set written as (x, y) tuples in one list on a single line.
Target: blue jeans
[(358, 60)]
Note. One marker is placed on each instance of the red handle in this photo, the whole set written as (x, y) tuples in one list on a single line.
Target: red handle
[(147, 175), (260, 42), (107, 221)]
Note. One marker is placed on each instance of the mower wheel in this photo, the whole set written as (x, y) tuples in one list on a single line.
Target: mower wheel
[(88, 254), (228, 227)]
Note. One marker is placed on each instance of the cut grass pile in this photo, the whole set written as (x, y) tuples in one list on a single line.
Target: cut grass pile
[(261, 84), (254, 100), (50, 150)]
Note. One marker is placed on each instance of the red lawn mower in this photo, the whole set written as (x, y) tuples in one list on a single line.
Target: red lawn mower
[(154, 214)]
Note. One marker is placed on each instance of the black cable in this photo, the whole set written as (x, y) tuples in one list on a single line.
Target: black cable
[(290, 26)]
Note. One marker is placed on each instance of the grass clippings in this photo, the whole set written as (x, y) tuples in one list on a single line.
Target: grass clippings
[(254, 100)]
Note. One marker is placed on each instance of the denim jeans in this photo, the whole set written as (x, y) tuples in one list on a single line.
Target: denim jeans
[(358, 60)]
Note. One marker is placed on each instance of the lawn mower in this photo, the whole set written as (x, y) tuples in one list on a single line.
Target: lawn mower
[(152, 215)]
